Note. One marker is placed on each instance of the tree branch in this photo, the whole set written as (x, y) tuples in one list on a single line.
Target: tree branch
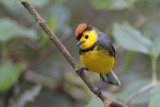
[(107, 101)]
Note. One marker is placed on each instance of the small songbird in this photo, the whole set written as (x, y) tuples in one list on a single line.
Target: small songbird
[(97, 53)]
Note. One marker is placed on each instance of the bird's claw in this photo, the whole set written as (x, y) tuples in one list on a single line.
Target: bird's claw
[(99, 91), (81, 70)]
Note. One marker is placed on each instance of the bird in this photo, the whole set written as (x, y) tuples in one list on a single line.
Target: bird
[(97, 53)]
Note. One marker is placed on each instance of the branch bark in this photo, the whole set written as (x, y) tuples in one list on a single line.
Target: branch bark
[(106, 100)]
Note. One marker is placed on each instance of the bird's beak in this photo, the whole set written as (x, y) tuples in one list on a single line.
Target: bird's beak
[(80, 42)]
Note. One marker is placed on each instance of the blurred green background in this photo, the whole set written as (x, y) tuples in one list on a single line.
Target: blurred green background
[(33, 73)]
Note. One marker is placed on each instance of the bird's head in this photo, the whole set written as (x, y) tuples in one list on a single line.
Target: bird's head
[(86, 36)]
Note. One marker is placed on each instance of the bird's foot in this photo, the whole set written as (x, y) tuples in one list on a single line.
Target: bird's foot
[(81, 70), (99, 91)]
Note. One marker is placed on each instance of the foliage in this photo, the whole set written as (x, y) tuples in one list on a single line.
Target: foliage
[(52, 24), (10, 29), (155, 49), (131, 39), (133, 87), (155, 95), (96, 102), (8, 74), (113, 4)]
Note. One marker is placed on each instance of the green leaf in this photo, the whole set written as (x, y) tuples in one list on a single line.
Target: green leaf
[(60, 16), (155, 96), (131, 39), (8, 74), (154, 101), (95, 102), (155, 50), (113, 4), (111, 95), (52, 22), (132, 88), (9, 29), (52, 25), (27, 96), (156, 89), (100, 4)]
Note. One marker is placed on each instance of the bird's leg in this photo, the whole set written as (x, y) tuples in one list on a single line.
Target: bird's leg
[(99, 89), (81, 70)]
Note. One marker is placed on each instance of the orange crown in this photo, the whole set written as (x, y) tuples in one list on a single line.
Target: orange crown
[(81, 27)]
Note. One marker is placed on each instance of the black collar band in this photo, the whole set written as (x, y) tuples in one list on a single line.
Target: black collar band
[(88, 49)]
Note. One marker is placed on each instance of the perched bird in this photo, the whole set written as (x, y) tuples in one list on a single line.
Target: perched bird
[(97, 53)]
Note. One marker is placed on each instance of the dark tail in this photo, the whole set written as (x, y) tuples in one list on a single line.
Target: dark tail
[(111, 78)]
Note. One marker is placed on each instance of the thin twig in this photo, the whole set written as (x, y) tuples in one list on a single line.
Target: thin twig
[(140, 91), (107, 101)]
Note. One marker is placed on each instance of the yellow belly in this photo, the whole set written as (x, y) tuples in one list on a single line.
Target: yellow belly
[(97, 61)]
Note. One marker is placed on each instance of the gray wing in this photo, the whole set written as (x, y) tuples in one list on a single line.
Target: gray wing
[(106, 41)]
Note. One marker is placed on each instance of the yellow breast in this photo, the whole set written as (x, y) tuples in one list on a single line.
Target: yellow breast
[(97, 60)]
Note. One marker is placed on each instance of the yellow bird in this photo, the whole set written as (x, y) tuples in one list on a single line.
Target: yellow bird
[(97, 53)]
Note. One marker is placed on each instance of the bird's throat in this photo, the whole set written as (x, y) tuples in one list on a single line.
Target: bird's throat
[(93, 36)]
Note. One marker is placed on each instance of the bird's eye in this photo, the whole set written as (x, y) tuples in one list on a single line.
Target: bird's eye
[(86, 36)]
